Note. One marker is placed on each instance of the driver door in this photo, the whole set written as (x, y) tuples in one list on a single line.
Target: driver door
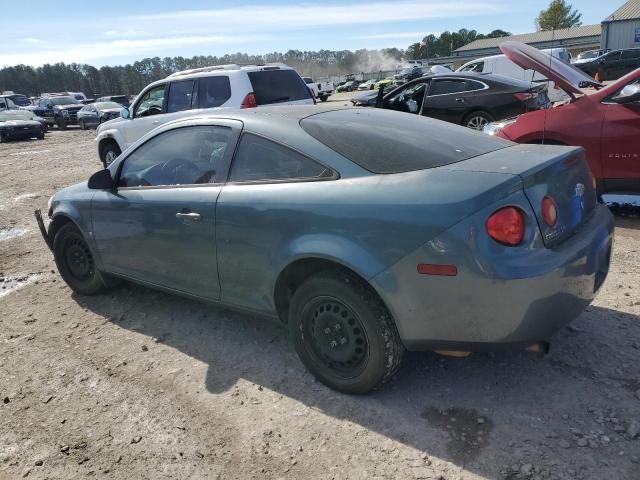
[(620, 147), (159, 226)]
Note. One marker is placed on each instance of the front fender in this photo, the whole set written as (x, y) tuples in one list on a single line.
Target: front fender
[(110, 133)]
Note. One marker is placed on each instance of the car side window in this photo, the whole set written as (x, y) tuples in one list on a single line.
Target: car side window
[(213, 91), (259, 159), (409, 99), (183, 156), (180, 96), (474, 67), (629, 54), (152, 103), (472, 85), (447, 86)]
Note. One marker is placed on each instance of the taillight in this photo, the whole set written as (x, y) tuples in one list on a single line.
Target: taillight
[(249, 101), (549, 211), (313, 95), (524, 96), (506, 226)]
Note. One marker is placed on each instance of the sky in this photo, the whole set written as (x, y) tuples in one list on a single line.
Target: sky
[(117, 32)]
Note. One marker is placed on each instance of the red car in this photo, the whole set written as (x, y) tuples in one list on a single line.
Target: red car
[(606, 123)]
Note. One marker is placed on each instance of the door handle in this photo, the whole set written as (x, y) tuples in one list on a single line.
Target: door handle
[(155, 122), (459, 99), (194, 217)]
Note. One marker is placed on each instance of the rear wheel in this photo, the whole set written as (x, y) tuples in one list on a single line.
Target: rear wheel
[(109, 153), (75, 262), (477, 120), (343, 333)]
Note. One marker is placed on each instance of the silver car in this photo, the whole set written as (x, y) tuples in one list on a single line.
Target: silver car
[(367, 231)]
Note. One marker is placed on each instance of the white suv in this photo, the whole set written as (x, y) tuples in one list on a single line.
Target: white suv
[(189, 92)]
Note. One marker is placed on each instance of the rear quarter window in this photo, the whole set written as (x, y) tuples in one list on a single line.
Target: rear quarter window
[(213, 91), (383, 141), (277, 86)]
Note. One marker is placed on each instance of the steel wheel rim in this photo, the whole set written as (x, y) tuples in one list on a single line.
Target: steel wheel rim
[(78, 259), (335, 337), (110, 157), (477, 122)]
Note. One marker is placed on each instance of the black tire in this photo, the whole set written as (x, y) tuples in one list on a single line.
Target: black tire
[(41, 136), (82, 125), (323, 98), (477, 120), (75, 262), (110, 149), (361, 350), (61, 124)]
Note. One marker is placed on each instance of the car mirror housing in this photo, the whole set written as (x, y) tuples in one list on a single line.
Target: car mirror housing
[(629, 94), (101, 180), (124, 113)]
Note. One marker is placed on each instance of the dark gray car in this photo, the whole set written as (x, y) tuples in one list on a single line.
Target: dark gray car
[(367, 231), (94, 114)]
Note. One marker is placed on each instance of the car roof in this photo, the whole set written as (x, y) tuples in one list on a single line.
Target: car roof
[(218, 70)]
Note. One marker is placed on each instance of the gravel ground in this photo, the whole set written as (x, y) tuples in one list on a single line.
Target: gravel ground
[(141, 384)]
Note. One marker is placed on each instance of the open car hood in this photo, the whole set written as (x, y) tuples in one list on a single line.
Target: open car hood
[(567, 77)]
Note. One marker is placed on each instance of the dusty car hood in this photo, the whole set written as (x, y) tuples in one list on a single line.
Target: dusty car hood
[(365, 97), (567, 77), (19, 123), (70, 106)]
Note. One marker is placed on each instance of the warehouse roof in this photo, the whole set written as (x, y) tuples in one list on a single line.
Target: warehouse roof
[(628, 11), (542, 36)]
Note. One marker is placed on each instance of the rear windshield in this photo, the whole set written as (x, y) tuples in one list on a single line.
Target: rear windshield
[(384, 141), (20, 100), (275, 86)]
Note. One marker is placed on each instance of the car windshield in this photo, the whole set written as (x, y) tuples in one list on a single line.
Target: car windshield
[(64, 101), (106, 105), (585, 55), (20, 100), (16, 115)]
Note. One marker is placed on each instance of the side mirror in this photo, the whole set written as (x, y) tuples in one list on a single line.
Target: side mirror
[(49, 105), (629, 94), (101, 180), (124, 113)]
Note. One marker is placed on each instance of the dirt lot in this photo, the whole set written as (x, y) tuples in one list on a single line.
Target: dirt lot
[(140, 384)]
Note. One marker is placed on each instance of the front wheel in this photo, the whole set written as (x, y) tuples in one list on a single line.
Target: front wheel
[(343, 333), (477, 120), (75, 262), (62, 125), (109, 153), (323, 98), (82, 125)]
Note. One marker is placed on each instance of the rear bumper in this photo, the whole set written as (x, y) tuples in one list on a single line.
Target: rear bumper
[(515, 300)]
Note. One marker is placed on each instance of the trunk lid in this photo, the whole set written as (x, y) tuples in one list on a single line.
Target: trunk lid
[(567, 77), (561, 173)]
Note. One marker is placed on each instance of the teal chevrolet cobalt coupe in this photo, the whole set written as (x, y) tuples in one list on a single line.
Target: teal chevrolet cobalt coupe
[(366, 231)]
